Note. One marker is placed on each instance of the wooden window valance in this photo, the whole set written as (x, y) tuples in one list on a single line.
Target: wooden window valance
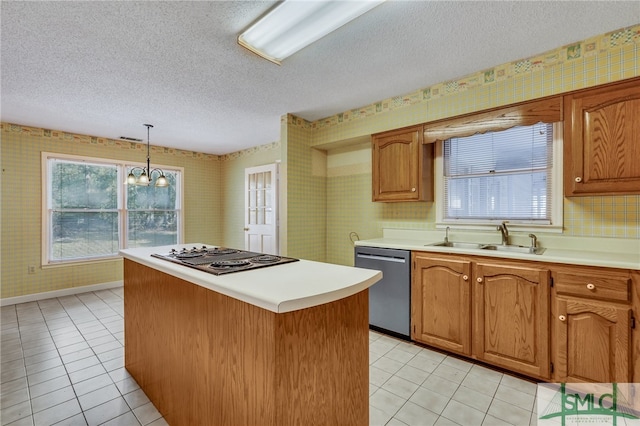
[(547, 110)]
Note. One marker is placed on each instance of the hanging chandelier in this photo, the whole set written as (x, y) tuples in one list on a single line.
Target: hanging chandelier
[(146, 177)]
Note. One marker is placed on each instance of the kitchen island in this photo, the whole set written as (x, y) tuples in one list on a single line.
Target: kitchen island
[(286, 344)]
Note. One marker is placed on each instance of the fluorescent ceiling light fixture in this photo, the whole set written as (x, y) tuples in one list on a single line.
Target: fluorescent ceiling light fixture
[(295, 24)]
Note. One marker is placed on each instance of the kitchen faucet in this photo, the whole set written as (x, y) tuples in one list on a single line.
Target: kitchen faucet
[(446, 235), (504, 231)]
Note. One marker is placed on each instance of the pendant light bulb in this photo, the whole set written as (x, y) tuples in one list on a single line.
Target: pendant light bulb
[(162, 181), (143, 179), (146, 176), (131, 179)]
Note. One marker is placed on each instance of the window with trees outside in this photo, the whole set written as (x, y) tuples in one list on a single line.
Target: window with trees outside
[(90, 213), (500, 175)]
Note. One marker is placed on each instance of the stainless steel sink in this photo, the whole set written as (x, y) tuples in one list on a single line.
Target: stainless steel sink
[(514, 248), (454, 244), (497, 247)]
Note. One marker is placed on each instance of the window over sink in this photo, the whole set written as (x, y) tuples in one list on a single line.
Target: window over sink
[(513, 174), (90, 214)]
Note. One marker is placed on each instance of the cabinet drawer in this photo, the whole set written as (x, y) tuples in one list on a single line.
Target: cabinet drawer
[(610, 287)]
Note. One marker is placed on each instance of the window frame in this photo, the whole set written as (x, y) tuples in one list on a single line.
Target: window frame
[(121, 166), (557, 197), (179, 201)]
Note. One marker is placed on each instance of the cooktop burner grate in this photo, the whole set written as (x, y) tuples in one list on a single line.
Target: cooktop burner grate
[(222, 260), (266, 258), (203, 260), (221, 251), (189, 255), (230, 264)]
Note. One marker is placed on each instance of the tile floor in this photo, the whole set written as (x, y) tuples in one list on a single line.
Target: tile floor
[(413, 385), (63, 363)]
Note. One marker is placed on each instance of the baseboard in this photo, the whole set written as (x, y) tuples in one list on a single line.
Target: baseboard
[(59, 293)]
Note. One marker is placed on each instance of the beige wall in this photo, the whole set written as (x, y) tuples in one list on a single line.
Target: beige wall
[(329, 204), (325, 166), (598, 60), (306, 195), (21, 204), (350, 209), (232, 187)]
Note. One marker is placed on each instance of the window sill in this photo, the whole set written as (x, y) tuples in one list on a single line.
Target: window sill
[(81, 262), (516, 227)]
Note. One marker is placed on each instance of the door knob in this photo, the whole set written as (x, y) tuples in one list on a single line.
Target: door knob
[(591, 286), (578, 179), (479, 279), (465, 277), (413, 190), (562, 318)]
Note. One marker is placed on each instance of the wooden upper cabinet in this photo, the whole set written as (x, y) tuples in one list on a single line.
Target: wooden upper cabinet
[(512, 317), (602, 140), (402, 166)]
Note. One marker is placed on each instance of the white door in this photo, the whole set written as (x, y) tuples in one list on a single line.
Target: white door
[(261, 209)]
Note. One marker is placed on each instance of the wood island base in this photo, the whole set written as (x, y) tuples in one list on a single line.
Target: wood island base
[(204, 358)]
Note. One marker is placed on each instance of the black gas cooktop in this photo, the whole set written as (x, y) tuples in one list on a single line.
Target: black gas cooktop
[(222, 260)]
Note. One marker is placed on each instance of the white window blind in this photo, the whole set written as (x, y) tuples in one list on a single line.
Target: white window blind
[(500, 175)]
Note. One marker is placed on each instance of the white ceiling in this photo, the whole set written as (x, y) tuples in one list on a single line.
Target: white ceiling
[(105, 68)]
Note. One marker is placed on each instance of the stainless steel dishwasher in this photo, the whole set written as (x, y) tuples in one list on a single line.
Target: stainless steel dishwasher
[(389, 298)]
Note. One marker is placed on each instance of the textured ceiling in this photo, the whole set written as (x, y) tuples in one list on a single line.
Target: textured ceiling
[(105, 68)]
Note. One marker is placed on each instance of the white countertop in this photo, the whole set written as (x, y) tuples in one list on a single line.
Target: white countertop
[(602, 252), (280, 288)]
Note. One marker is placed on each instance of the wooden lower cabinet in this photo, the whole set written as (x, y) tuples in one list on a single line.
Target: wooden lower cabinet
[(511, 322), (509, 302), (592, 325), (441, 311), (204, 358), (593, 341), (560, 323)]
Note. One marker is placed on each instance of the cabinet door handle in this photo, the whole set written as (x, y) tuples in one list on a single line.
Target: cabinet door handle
[(246, 229), (479, 279), (578, 179), (562, 318), (413, 190), (591, 286), (465, 277)]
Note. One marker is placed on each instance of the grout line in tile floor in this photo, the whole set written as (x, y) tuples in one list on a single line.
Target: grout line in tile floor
[(414, 385), (63, 363)]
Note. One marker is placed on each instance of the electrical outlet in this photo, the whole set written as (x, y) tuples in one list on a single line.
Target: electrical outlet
[(31, 269)]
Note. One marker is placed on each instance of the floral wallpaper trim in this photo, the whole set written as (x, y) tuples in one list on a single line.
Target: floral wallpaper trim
[(576, 51), (94, 140), (565, 54), (250, 151), (296, 121)]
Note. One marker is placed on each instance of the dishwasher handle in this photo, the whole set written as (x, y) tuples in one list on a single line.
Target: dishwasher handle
[(383, 258)]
